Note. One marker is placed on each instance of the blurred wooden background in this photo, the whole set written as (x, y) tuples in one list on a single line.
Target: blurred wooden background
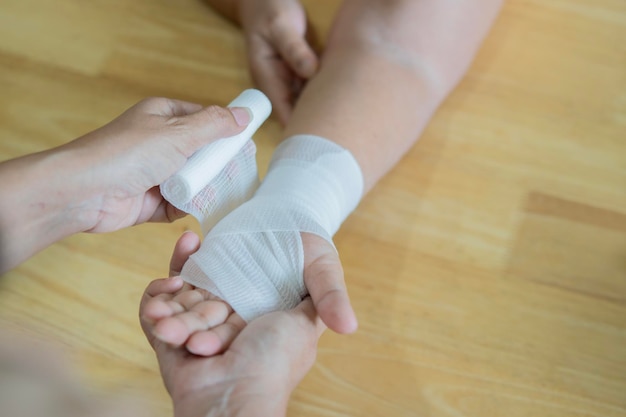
[(488, 269)]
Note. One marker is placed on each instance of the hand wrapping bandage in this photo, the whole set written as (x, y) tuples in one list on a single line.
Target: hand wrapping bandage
[(222, 175), (253, 257)]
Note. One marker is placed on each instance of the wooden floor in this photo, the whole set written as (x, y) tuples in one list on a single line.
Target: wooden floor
[(488, 269)]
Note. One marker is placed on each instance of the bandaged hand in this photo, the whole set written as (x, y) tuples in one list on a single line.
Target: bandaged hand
[(280, 54), (266, 247), (271, 251)]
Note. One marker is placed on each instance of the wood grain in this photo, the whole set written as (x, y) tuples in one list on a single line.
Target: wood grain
[(488, 270)]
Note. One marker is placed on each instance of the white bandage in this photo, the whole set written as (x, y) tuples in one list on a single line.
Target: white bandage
[(222, 175), (253, 258)]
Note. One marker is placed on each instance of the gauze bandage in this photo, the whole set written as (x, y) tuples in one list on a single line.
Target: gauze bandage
[(222, 175), (253, 257)]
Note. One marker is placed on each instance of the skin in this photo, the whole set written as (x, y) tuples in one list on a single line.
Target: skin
[(407, 55), (195, 319), (281, 47), (280, 57), (254, 375), (91, 192), (107, 179), (386, 68)]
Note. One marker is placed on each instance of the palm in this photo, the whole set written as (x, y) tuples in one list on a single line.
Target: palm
[(256, 351)]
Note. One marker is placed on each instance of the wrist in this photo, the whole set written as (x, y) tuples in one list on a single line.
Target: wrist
[(73, 198), (44, 203)]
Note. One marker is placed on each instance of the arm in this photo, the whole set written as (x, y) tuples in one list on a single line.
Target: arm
[(37, 207), (387, 67), (105, 180), (376, 90)]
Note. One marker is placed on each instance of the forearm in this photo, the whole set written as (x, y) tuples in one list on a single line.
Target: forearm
[(387, 67), (39, 204), (227, 8)]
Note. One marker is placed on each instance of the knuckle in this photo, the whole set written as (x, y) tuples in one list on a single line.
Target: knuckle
[(219, 118), (277, 20), (217, 114), (153, 102)]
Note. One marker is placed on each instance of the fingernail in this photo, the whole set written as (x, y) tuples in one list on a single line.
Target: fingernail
[(242, 115)]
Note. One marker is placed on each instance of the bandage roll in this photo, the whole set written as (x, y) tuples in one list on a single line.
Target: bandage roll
[(206, 163)]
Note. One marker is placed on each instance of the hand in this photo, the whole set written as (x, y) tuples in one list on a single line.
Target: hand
[(206, 325), (107, 179), (132, 155), (259, 367), (281, 58)]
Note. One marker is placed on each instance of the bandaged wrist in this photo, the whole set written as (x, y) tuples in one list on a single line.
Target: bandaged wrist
[(253, 258), (317, 180)]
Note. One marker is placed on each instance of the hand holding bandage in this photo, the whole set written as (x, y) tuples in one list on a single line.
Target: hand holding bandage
[(259, 256)]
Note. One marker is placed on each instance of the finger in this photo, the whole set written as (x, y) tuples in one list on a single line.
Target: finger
[(294, 49), (187, 245), (156, 209), (192, 296), (279, 93), (323, 277), (216, 340), (155, 288), (208, 125), (272, 76), (329, 294), (160, 305), (163, 305), (175, 330), (163, 286)]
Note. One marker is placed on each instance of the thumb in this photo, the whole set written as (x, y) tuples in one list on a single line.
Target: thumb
[(187, 245), (210, 124), (323, 277)]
